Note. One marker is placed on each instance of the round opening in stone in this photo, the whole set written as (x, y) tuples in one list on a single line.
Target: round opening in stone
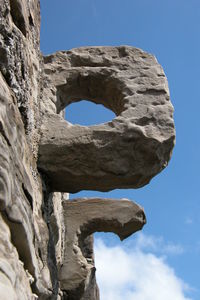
[(87, 113)]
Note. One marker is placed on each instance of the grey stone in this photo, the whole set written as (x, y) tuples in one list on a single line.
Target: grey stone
[(21, 195), (14, 279), (123, 153), (82, 217)]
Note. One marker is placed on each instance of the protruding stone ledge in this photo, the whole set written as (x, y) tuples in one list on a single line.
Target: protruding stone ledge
[(123, 153), (83, 217)]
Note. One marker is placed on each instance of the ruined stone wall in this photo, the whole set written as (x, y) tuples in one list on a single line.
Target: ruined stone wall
[(46, 246)]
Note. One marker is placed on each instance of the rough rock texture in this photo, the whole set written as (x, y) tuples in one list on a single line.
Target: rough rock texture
[(29, 215), (20, 59), (82, 218), (14, 280), (123, 153), (37, 224), (21, 195)]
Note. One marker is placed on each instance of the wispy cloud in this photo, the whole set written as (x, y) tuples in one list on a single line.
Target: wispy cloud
[(133, 274), (157, 245), (189, 221)]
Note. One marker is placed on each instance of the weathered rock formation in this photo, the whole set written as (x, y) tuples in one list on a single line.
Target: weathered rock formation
[(123, 153), (82, 217), (25, 234), (44, 238)]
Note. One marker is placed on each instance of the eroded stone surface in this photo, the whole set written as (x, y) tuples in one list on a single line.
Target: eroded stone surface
[(123, 153), (12, 272), (20, 60), (26, 234), (33, 222), (82, 217)]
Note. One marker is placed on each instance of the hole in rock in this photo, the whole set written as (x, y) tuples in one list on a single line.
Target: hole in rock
[(93, 194), (87, 113)]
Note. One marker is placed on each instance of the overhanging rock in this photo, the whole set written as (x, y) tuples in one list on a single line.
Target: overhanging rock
[(123, 153), (82, 217)]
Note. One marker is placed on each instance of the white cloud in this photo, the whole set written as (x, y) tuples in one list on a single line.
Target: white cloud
[(132, 274), (173, 249), (157, 245)]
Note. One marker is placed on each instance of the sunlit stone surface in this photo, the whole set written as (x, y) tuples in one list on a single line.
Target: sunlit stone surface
[(123, 153)]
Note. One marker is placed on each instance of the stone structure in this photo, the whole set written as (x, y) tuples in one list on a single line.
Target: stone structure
[(46, 249), (82, 217), (123, 153)]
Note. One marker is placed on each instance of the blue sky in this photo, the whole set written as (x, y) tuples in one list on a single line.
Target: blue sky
[(170, 30)]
